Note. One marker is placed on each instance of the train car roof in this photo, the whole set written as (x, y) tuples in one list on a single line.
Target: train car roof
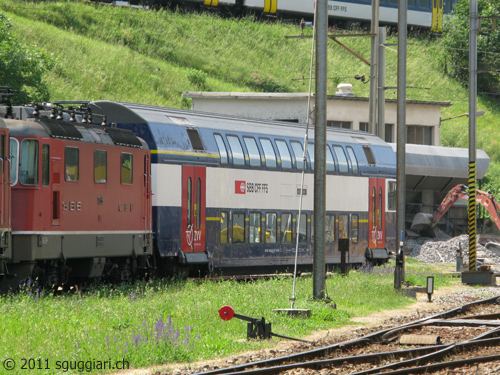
[(434, 166), (120, 112), (45, 127)]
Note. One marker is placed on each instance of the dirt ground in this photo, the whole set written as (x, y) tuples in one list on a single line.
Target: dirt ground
[(421, 305)]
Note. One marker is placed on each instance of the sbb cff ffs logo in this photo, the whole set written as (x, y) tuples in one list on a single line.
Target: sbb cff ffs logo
[(240, 187)]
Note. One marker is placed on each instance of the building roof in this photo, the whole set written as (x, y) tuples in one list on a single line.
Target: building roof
[(290, 96)]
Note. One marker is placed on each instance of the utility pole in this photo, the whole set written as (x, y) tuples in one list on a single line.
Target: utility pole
[(382, 33), (320, 150), (373, 67), (472, 132), (399, 275)]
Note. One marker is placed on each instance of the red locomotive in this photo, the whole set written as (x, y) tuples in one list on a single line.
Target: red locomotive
[(81, 198)]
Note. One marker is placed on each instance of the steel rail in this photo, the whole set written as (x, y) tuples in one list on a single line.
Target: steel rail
[(376, 337)]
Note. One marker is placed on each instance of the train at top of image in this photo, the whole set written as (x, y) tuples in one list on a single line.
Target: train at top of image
[(421, 13), (110, 190)]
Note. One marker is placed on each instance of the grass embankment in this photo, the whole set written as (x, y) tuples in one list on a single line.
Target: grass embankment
[(163, 322)]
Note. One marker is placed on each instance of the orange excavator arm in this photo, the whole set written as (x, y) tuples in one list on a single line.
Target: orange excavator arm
[(459, 191), (487, 200)]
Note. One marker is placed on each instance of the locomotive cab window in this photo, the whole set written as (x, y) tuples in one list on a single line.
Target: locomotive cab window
[(14, 160), (45, 164), (126, 169), (100, 166), (71, 163), (28, 171)]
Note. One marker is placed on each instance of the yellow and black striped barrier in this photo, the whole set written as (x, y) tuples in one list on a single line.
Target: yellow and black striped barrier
[(472, 216)]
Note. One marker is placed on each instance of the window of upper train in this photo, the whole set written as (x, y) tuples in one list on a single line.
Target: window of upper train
[(100, 166), (369, 155), (71, 163), (391, 195), (222, 149), (269, 154), (28, 171), (341, 158), (14, 160), (299, 154), (126, 170), (354, 160), (253, 151), (310, 153), (286, 159), (236, 150), (45, 165), (195, 139)]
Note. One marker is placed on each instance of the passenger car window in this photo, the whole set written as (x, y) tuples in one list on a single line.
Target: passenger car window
[(253, 151), (255, 221), (222, 149), (224, 229), (343, 165), (286, 228), (269, 153), (330, 163), (238, 228), (270, 228), (354, 160), (299, 154), (236, 150), (286, 159)]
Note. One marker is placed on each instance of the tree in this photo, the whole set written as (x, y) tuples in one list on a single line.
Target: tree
[(456, 45), (22, 67)]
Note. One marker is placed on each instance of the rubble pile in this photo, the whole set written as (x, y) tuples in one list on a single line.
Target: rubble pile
[(443, 249)]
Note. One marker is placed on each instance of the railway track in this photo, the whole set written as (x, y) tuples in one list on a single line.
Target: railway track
[(465, 339)]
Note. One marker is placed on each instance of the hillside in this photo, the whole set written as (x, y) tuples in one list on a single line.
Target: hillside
[(151, 57)]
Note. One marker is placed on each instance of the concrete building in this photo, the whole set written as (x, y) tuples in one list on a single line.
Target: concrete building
[(346, 111)]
